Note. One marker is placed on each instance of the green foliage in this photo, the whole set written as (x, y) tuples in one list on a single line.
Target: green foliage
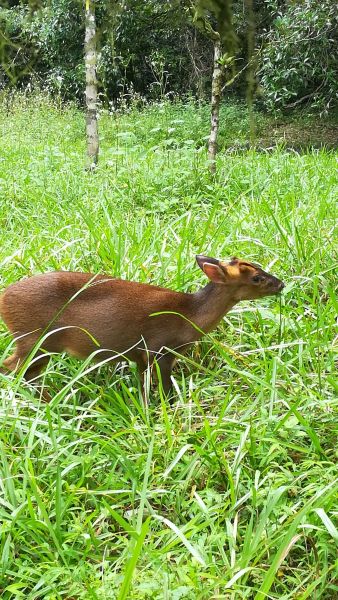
[(221, 12), (231, 491), (300, 56), (56, 32), (16, 53), (146, 48), (153, 49), (150, 49)]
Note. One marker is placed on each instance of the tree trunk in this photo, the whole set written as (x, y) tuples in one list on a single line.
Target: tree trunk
[(216, 93), (91, 86)]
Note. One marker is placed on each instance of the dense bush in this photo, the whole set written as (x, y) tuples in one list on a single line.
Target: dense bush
[(150, 49), (147, 48), (16, 50), (300, 58)]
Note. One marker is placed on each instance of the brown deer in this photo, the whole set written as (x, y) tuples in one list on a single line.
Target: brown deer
[(81, 312)]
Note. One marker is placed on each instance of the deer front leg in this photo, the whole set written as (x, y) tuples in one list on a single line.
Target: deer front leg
[(143, 368), (165, 365), (162, 368)]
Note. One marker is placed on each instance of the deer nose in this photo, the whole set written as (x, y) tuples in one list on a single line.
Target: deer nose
[(281, 286)]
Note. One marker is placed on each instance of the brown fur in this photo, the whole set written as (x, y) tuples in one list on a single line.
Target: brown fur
[(117, 314)]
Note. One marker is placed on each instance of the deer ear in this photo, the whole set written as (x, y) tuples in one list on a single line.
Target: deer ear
[(201, 260), (214, 272)]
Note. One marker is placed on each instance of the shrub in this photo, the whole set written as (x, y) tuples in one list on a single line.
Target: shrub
[(299, 62)]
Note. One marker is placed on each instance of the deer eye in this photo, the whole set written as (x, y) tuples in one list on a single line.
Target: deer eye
[(257, 278)]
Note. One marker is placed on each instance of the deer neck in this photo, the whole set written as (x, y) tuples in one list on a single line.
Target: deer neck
[(210, 304)]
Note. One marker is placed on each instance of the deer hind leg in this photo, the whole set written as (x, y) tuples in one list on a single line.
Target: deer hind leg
[(16, 360), (14, 363), (27, 344), (34, 371), (24, 346)]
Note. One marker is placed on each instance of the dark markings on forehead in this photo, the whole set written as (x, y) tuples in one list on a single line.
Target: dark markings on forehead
[(236, 261), (248, 264)]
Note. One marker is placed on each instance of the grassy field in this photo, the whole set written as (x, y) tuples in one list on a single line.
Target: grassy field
[(231, 492)]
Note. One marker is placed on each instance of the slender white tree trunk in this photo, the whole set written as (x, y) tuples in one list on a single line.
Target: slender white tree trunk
[(91, 85), (216, 93)]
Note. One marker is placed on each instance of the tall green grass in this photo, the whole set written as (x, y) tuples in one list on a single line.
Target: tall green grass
[(231, 492)]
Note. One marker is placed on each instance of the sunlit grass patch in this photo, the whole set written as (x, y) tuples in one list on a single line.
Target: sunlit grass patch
[(231, 492)]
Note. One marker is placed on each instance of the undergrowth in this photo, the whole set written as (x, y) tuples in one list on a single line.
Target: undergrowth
[(230, 492)]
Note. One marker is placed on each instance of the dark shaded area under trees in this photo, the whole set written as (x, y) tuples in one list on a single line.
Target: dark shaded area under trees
[(150, 49)]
